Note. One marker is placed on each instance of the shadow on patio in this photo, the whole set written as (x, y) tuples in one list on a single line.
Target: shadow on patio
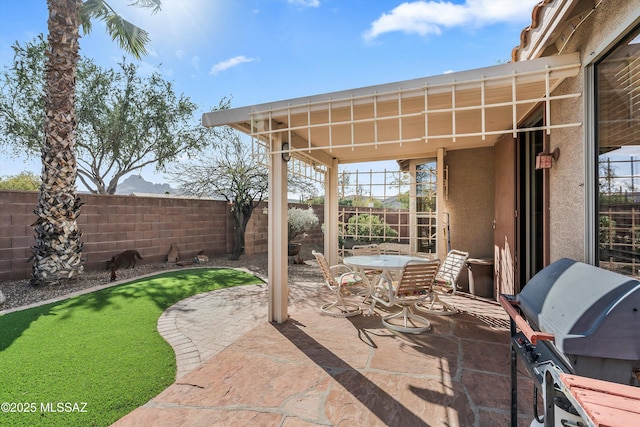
[(318, 370)]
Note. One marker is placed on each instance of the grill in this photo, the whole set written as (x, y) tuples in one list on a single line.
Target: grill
[(577, 319)]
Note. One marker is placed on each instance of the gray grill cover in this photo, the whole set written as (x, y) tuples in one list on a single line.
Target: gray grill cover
[(589, 310)]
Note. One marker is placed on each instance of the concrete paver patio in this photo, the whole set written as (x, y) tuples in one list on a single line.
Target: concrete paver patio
[(235, 368)]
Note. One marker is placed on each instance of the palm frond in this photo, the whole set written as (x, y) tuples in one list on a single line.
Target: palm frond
[(131, 38), (154, 5)]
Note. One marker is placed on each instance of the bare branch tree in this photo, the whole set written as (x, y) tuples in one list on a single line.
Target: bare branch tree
[(230, 173)]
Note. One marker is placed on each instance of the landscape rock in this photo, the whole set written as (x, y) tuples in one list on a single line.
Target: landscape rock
[(20, 293), (199, 259)]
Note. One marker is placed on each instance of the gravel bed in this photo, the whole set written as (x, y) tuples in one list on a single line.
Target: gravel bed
[(19, 293)]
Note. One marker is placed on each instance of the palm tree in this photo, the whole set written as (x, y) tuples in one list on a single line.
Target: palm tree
[(58, 250)]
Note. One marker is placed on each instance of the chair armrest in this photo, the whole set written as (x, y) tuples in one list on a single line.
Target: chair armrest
[(343, 275), (445, 284), (339, 269)]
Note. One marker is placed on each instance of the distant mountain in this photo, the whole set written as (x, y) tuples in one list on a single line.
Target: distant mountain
[(137, 184)]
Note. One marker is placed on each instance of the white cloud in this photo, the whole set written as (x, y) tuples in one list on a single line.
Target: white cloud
[(224, 65), (195, 62), (146, 69), (180, 54), (305, 3), (430, 17), (152, 52)]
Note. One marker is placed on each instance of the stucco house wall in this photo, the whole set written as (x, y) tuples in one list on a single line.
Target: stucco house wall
[(470, 201), (568, 177)]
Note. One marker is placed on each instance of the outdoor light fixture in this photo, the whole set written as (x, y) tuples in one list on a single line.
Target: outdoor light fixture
[(286, 155), (545, 160)]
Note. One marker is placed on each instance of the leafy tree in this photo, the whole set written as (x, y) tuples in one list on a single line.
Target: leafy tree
[(401, 182), (369, 227), (316, 200), (125, 122), (607, 176), (24, 181), (366, 202), (606, 231), (231, 173), (57, 252)]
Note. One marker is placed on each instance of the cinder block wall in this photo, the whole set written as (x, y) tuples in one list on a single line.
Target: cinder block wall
[(257, 233), (112, 224), (16, 233)]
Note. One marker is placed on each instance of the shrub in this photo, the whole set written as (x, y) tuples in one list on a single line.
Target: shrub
[(369, 227), (299, 221)]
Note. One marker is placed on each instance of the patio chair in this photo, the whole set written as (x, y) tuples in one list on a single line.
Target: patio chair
[(342, 282), (388, 248), (371, 249), (445, 283), (413, 286)]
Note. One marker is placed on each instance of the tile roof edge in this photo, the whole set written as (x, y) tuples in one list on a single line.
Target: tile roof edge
[(536, 13)]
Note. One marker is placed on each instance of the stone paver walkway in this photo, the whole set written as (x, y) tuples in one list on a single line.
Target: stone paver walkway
[(235, 368), (200, 326)]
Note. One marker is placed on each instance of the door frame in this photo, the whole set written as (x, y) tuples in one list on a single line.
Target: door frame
[(513, 266), (506, 265)]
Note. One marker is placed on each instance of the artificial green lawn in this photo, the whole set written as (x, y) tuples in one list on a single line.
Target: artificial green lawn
[(99, 353)]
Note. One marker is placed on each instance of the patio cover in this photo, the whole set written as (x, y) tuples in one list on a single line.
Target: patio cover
[(411, 119)]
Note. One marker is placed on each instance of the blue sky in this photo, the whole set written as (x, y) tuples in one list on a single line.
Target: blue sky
[(257, 51)]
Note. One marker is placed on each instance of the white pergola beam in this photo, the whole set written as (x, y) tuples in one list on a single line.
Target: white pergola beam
[(526, 71)]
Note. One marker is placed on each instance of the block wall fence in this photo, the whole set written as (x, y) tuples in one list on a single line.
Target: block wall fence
[(112, 224)]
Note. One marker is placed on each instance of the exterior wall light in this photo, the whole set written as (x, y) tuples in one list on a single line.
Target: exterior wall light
[(545, 160), (286, 155)]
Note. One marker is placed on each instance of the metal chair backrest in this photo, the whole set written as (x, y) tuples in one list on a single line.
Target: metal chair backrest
[(371, 249), (417, 277), (451, 268), (326, 270), (394, 248)]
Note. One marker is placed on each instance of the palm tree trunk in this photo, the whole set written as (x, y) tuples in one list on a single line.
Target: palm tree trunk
[(57, 252)]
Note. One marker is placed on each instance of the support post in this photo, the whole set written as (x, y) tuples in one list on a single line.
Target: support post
[(413, 208), (331, 213), (278, 259), (441, 249)]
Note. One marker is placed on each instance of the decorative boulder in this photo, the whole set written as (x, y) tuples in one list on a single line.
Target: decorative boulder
[(199, 259), (173, 255)]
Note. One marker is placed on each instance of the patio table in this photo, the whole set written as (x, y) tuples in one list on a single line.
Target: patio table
[(388, 266)]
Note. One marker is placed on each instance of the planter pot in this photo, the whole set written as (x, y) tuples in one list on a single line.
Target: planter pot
[(294, 248)]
